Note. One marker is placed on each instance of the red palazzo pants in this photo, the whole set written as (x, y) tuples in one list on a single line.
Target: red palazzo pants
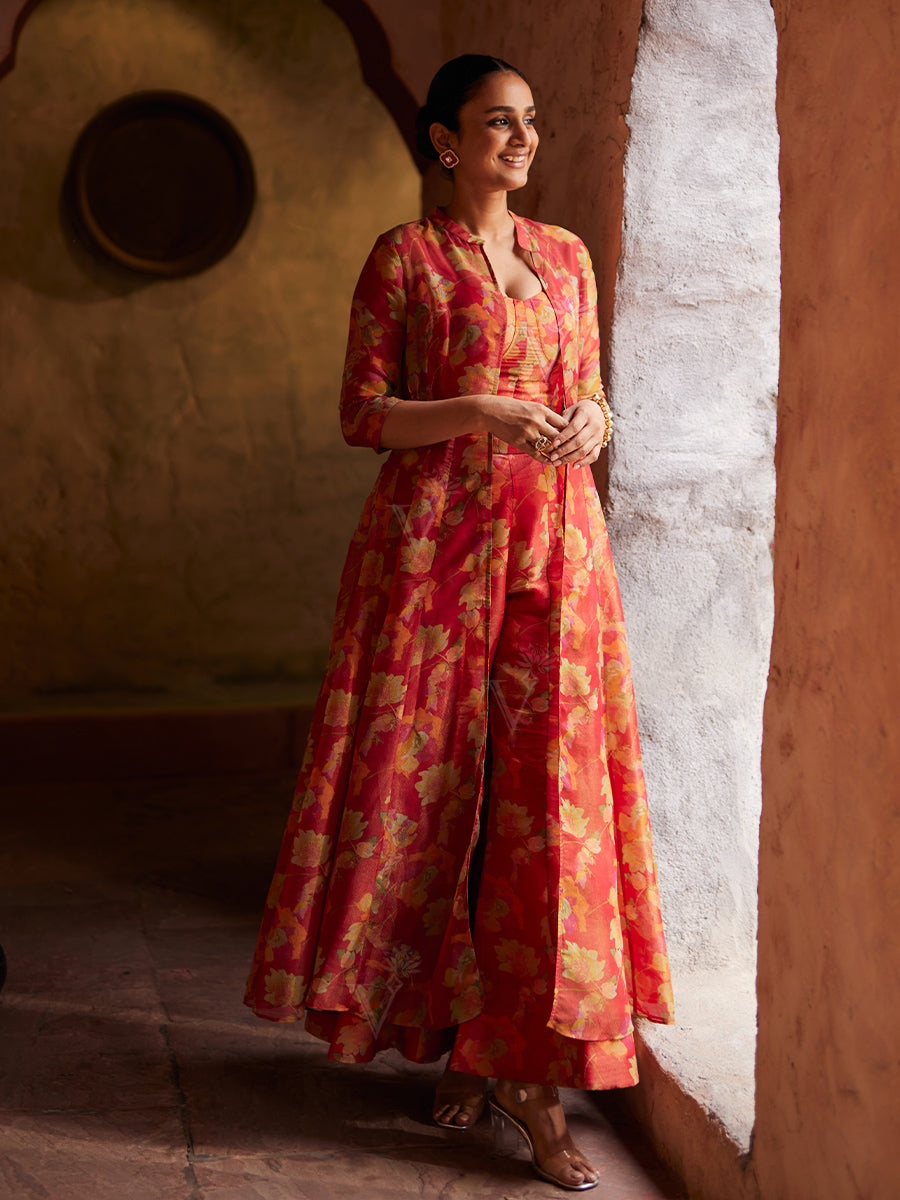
[(516, 911)]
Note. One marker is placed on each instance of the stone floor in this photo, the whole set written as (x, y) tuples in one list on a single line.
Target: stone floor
[(128, 1065)]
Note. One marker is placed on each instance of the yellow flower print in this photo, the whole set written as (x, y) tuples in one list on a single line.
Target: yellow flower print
[(493, 916), (517, 959), (575, 681), (386, 689), (524, 557), (416, 555), (353, 938), (399, 830), (341, 708), (310, 849), (609, 988), (368, 329), (431, 641), (459, 977), (283, 989), (573, 820), (439, 676), (437, 782), (276, 939), (578, 542), (394, 639), (410, 752), (513, 819), (475, 378), (353, 826), (581, 964), (371, 572), (354, 1041)]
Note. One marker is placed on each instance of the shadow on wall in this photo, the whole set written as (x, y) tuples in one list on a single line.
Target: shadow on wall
[(175, 494)]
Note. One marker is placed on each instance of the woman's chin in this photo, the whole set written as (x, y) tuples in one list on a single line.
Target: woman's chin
[(515, 180)]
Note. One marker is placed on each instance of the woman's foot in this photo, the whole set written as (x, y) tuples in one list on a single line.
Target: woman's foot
[(459, 1100), (536, 1112)]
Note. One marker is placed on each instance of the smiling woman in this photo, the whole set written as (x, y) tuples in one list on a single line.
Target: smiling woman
[(468, 866)]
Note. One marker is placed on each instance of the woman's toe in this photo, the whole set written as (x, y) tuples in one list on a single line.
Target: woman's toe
[(584, 1171)]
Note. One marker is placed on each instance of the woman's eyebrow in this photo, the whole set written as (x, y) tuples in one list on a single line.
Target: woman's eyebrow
[(507, 108)]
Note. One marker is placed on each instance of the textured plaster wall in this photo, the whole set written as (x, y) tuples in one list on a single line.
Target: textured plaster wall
[(175, 496), (829, 960), (694, 378)]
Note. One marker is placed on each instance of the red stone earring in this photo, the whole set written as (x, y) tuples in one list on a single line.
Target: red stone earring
[(449, 158)]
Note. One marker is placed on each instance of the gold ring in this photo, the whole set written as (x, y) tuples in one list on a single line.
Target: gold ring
[(542, 444)]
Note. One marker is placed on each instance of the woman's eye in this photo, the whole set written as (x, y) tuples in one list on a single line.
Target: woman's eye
[(500, 122)]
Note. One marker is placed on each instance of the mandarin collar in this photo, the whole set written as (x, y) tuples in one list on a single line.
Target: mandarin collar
[(460, 234)]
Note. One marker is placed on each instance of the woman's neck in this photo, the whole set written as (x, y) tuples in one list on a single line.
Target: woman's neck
[(485, 216)]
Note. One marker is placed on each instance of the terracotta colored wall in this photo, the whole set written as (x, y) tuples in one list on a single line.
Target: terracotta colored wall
[(175, 496), (580, 64), (829, 959)]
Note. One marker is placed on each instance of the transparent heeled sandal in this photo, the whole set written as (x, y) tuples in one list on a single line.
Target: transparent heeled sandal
[(509, 1133)]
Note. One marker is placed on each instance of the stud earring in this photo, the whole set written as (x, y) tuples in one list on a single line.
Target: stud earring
[(449, 158)]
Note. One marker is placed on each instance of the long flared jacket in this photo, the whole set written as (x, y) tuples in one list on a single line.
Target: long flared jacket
[(368, 911)]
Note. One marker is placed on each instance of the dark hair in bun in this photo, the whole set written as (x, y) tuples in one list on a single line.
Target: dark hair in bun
[(456, 82)]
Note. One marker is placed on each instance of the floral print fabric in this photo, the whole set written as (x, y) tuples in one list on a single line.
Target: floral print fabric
[(367, 922)]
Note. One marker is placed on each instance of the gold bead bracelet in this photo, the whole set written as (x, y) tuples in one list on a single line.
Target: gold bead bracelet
[(600, 398)]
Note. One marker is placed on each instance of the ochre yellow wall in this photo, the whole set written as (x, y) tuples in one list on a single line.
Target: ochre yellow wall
[(828, 1104), (175, 496)]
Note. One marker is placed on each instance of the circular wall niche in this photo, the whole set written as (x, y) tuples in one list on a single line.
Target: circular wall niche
[(161, 183)]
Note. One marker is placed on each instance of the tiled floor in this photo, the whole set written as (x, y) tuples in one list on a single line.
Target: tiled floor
[(128, 1065)]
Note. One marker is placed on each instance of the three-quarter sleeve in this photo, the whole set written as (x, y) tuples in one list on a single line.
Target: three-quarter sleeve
[(373, 368), (589, 378)]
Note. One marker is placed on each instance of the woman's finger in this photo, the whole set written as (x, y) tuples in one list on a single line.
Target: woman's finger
[(579, 451), (556, 420), (578, 424)]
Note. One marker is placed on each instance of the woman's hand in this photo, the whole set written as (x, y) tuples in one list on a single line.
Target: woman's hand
[(521, 423), (580, 442), (576, 434)]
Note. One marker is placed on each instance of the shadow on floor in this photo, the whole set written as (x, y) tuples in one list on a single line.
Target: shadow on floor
[(129, 1065)]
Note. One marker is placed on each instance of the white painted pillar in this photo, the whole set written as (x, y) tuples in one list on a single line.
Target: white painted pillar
[(694, 373)]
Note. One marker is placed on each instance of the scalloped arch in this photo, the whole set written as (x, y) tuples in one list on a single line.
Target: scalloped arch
[(363, 25)]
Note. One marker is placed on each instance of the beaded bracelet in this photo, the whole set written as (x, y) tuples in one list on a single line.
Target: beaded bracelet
[(600, 398)]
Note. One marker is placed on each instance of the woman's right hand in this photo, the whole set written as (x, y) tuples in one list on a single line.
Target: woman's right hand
[(520, 423)]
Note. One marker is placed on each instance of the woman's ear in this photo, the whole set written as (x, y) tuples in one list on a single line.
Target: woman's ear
[(441, 137)]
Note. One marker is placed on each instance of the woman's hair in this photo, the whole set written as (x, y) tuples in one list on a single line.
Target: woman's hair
[(456, 82)]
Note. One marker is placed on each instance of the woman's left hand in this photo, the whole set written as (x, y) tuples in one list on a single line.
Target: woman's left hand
[(579, 444)]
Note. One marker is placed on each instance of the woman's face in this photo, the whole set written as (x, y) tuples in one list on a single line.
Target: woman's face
[(497, 139)]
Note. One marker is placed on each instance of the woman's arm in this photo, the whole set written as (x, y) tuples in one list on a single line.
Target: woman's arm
[(373, 367), (579, 444), (423, 422)]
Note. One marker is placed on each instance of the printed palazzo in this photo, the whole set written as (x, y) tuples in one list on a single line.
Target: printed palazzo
[(516, 897)]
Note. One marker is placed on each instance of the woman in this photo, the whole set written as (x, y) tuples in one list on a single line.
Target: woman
[(479, 680)]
